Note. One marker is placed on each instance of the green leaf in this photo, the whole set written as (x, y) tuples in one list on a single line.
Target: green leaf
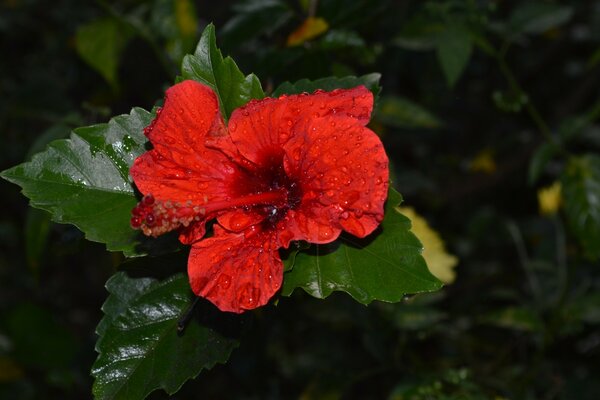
[(140, 349), (40, 341), (384, 266), (515, 318), (253, 19), (540, 159), (371, 82), (37, 227), (100, 44), (85, 181), (401, 112), (581, 195), (208, 66), (454, 48), (538, 17)]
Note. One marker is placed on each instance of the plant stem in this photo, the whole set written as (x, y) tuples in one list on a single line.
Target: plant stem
[(514, 231), (517, 88)]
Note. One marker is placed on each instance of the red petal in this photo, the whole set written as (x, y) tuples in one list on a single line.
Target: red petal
[(260, 126), (181, 167), (234, 272), (343, 171), (238, 220)]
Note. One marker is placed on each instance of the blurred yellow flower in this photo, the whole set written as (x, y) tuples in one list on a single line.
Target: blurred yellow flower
[(550, 199), (441, 264), (483, 162), (9, 370), (310, 29), (184, 16)]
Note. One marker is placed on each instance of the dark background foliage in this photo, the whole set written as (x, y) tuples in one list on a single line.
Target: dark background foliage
[(513, 86)]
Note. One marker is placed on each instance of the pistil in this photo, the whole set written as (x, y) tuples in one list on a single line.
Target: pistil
[(155, 218)]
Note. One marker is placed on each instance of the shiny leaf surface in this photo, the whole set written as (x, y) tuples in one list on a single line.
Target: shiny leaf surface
[(140, 348), (84, 180), (383, 266)]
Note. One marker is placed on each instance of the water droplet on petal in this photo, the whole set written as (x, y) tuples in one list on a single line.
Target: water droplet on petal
[(224, 281), (248, 297), (325, 233)]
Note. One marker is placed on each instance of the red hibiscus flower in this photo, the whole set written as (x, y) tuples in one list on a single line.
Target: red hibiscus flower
[(300, 167)]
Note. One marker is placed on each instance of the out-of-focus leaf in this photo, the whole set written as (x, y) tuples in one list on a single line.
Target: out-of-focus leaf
[(140, 349), (9, 370), (37, 227), (309, 29), (454, 47), (594, 59), (401, 112), (85, 180), (384, 266), (208, 66), (540, 159), (339, 39), (538, 17), (38, 339), (581, 195), (516, 318), (509, 101), (176, 22), (100, 44), (418, 34), (252, 19), (370, 81)]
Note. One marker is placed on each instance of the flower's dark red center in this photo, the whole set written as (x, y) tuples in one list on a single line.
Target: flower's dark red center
[(264, 188), (269, 176)]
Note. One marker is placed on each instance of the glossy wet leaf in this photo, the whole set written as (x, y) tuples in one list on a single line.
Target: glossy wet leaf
[(140, 349), (384, 266), (454, 48), (581, 195), (84, 180), (370, 81), (208, 66)]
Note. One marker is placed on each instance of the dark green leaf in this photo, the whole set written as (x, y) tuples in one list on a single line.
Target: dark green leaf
[(538, 17), (403, 113), (37, 227), (581, 193), (540, 159), (208, 66), (454, 47), (384, 266), (515, 318), (340, 39), (371, 82), (100, 43), (40, 340), (177, 23), (140, 349), (85, 180), (254, 18)]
